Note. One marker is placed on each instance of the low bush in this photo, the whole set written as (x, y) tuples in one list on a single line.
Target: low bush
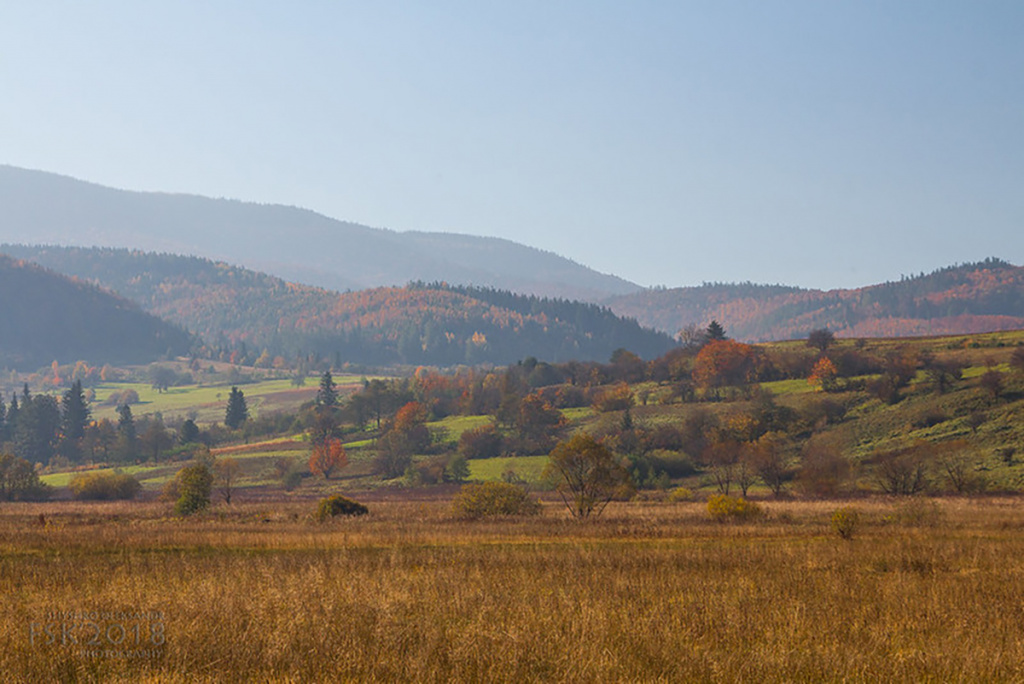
[(482, 442), (493, 499), (104, 486), (845, 521), (619, 397), (724, 507), (680, 494), (336, 505)]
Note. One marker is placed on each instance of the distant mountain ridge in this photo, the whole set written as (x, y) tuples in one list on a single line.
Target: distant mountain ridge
[(235, 309), (295, 244), (48, 317), (966, 298)]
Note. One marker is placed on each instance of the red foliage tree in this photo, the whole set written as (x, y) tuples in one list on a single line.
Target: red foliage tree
[(327, 457), (725, 362)]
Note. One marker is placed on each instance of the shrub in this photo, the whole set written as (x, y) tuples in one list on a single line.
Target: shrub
[(122, 398), (845, 521), (493, 498), (104, 486), (194, 484), (680, 494), (336, 505), (917, 513), (19, 480), (483, 442), (724, 507), (616, 398)]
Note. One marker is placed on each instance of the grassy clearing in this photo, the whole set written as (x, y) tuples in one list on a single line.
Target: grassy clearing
[(577, 414), (795, 386), (649, 592), (208, 401), (456, 425), (528, 468)]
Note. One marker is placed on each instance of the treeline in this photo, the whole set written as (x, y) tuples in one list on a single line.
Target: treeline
[(244, 316)]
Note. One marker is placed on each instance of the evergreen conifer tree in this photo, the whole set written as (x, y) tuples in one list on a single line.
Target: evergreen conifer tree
[(237, 411), (327, 396)]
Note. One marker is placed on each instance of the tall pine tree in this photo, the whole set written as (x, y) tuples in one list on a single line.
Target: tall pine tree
[(74, 419), (127, 438), (327, 396), (237, 411)]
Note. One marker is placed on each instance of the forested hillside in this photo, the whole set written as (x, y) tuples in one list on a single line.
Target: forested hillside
[(49, 317), (245, 315), (968, 298)]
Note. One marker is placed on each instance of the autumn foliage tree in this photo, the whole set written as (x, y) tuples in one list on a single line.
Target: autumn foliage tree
[(407, 434), (725, 362), (536, 420), (327, 456), (587, 473), (823, 375)]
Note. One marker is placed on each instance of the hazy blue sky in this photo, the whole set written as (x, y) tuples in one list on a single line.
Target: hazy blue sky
[(814, 143)]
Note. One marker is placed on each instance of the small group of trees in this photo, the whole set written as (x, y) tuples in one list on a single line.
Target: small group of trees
[(38, 428), (19, 480)]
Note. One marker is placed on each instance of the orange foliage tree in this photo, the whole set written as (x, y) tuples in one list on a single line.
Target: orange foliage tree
[(327, 456), (725, 362), (823, 375)]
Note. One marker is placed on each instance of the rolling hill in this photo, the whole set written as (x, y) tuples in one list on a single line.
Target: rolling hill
[(49, 317), (292, 243), (968, 298), (242, 311)]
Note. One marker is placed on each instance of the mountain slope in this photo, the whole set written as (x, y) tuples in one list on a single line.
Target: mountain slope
[(236, 309), (49, 317), (296, 244), (968, 298)]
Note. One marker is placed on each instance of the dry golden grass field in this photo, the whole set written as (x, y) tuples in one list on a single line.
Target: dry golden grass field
[(927, 590)]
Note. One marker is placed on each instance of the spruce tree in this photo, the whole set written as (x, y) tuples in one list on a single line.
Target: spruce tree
[(12, 418), (327, 396), (74, 412), (126, 435), (715, 332), (189, 432), (237, 411)]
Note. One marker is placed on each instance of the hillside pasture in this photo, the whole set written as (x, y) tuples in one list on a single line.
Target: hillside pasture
[(208, 402)]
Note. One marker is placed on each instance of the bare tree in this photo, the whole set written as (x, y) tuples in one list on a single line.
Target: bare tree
[(226, 471)]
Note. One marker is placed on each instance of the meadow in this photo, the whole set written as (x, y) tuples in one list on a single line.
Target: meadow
[(927, 590), (207, 402)]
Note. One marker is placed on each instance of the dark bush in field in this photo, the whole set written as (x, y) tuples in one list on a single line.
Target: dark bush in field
[(336, 505), (493, 499), (483, 442), (104, 486)]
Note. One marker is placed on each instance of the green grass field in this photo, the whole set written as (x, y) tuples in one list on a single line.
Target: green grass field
[(528, 468), (210, 401)]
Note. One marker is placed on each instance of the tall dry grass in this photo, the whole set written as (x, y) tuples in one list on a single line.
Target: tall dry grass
[(650, 592)]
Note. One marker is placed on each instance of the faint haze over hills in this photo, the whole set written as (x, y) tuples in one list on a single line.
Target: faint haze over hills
[(967, 298), (49, 317), (818, 144), (293, 243)]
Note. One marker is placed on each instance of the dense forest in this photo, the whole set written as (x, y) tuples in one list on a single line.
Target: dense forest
[(247, 316), (968, 298), (48, 316)]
